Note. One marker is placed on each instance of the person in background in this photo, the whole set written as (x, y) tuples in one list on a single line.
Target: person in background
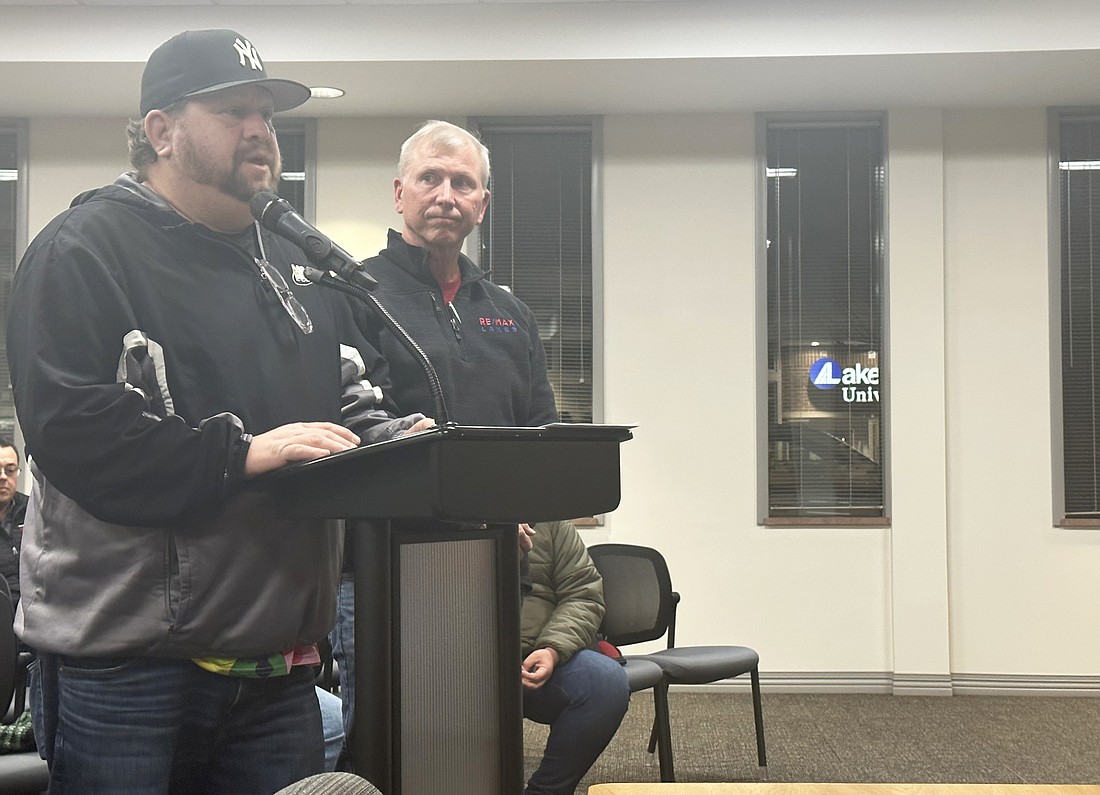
[(160, 363), (13, 509), (484, 343), (482, 340), (582, 694)]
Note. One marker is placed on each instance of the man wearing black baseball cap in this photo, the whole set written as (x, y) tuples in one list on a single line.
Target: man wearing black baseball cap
[(160, 361), (199, 62)]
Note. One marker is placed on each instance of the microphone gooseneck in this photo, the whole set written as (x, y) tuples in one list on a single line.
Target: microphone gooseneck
[(340, 271), (442, 416)]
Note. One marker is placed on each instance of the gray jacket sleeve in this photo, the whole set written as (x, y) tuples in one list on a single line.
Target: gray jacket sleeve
[(364, 405)]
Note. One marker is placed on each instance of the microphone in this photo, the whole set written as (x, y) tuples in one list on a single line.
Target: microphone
[(277, 215)]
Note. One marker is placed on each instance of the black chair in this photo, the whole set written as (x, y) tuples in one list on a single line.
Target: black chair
[(328, 675), (643, 675), (23, 771), (641, 606)]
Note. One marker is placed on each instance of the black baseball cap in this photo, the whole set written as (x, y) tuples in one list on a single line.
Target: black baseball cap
[(203, 61)]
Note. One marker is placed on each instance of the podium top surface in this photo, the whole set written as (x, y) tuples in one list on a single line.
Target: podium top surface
[(553, 432), (462, 473)]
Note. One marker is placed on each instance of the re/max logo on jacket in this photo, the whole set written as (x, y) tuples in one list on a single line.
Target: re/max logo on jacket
[(502, 324)]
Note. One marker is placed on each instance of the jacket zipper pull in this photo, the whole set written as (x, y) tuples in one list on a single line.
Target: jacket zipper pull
[(456, 321)]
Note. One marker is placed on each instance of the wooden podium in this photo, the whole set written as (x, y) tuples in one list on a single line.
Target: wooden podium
[(437, 696)]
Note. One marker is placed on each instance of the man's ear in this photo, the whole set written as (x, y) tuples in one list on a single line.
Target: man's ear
[(158, 129), (397, 202), (484, 207)]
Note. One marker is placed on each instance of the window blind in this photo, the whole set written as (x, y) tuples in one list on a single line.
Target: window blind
[(536, 240), (825, 196), (9, 203), (294, 184), (1079, 179)]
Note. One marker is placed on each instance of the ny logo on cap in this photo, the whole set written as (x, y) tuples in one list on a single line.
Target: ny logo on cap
[(245, 49)]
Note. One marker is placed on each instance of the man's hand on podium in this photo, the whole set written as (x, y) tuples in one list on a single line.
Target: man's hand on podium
[(421, 425), (298, 441)]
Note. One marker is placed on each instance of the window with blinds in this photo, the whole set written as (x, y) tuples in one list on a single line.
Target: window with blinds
[(536, 240), (10, 249), (825, 189), (295, 143), (1079, 217)]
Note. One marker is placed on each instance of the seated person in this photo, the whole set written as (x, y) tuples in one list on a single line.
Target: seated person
[(13, 508), (580, 693)]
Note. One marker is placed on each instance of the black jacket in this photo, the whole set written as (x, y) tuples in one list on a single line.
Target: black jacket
[(486, 348), (144, 351), (11, 537)]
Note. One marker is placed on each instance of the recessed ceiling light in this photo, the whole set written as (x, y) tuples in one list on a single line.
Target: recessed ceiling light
[(325, 92)]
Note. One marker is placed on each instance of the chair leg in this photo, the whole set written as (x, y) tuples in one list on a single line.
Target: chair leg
[(758, 715), (663, 730)]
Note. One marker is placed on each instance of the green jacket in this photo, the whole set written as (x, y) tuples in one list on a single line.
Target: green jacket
[(565, 605)]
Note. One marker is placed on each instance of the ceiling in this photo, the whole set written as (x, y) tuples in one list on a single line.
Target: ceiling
[(517, 57)]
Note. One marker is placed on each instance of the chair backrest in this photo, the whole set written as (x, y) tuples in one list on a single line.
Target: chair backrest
[(9, 647), (637, 591)]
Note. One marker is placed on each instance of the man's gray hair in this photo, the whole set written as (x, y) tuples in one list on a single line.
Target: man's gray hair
[(448, 137)]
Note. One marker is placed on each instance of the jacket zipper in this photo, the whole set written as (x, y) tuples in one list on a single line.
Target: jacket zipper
[(455, 320)]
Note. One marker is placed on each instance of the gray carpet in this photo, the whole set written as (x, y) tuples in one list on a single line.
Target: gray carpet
[(857, 738)]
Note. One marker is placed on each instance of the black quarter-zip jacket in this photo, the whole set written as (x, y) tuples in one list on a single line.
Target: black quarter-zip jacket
[(485, 346)]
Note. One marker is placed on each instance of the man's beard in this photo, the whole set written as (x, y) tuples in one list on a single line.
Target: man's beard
[(232, 183)]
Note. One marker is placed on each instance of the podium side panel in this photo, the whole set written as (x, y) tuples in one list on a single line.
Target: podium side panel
[(527, 481), (398, 484), (371, 738), (449, 677)]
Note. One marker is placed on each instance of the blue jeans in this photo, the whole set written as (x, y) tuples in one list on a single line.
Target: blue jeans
[(332, 721), (583, 703), (147, 726), (342, 639)]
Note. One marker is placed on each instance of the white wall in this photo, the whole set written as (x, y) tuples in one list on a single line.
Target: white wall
[(67, 156), (919, 592), (971, 581), (355, 180), (680, 319), (1024, 593)]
